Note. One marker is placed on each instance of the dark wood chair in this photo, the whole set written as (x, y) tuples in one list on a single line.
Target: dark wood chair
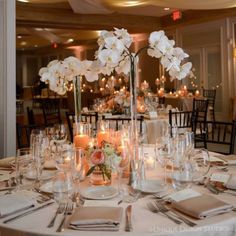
[(119, 121), (91, 118), (23, 135), (30, 116), (161, 100), (210, 94), (51, 111), (220, 136), (184, 120)]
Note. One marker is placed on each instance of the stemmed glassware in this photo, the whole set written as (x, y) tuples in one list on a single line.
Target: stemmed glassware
[(165, 151), (189, 164), (23, 162), (60, 133), (122, 162)]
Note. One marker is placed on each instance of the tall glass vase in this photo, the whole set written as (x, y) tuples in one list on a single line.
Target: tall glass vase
[(134, 129), (77, 99)]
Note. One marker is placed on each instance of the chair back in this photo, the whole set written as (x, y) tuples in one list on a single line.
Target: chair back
[(201, 106), (23, 135), (210, 94), (51, 111), (161, 100), (91, 118), (30, 115), (220, 136), (117, 122)]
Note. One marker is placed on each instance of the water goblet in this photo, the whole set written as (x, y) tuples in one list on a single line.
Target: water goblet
[(23, 162), (190, 168), (62, 187), (165, 153)]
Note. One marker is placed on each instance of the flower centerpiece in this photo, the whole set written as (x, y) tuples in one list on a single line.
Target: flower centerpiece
[(61, 74), (114, 54), (101, 160)]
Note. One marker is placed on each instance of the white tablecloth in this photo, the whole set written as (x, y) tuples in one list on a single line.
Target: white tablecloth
[(144, 221)]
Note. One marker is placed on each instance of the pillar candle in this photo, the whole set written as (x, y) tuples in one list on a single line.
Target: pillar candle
[(81, 140), (102, 136)]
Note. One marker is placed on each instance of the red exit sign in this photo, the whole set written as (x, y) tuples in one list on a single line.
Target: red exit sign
[(176, 15)]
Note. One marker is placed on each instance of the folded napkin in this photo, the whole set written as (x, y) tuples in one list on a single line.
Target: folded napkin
[(97, 218), (231, 183), (7, 162), (202, 206), (229, 159), (13, 203)]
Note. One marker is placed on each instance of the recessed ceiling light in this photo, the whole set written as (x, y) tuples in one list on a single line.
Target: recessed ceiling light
[(19, 36), (132, 3), (70, 40), (166, 8), (23, 0), (35, 45), (23, 43)]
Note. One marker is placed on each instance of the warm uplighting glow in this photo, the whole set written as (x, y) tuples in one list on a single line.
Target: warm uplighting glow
[(19, 36), (103, 79), (23, 0), (23, 43), (166, 9), (234, 52)]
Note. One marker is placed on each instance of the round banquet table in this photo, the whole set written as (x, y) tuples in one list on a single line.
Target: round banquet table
[(144, 222)]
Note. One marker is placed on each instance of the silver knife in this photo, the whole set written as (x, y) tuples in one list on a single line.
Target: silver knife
[(27, 213), (128, 224)]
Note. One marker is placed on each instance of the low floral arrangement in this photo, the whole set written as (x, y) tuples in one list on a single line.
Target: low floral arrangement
[(102, 159)]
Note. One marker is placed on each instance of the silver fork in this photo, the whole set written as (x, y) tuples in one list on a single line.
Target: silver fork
[(68, 211), (155, 209), (60, 210), (180, 217)]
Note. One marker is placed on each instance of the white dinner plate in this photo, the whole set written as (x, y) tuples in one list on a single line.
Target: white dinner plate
[(46, 175), (151, 186), (99, 192)]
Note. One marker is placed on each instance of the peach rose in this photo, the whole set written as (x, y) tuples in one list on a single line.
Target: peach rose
[(98, 157)]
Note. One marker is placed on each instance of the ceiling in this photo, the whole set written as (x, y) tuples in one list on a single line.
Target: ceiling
[(31, 35)]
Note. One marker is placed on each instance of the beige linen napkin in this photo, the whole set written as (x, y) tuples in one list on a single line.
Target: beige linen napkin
[(231, 183), (202, 206), (7, 162), (229, 159), (12, 203), (96, 218)]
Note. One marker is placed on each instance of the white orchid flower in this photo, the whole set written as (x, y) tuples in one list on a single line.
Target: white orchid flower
[(43, 70), (51, 63), (179, 53), (109, 57), (182, 73), (154, 53), (155, 37), (114, 44), (124, 66), (124, 36)]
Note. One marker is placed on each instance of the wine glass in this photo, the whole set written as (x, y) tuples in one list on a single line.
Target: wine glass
[(60, 133), (165, 152), (119, 163), (64, 157), (23, 162), (40, 151), (190, 168)]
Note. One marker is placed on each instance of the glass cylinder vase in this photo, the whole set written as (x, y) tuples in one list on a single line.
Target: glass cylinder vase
[(99, 178)]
